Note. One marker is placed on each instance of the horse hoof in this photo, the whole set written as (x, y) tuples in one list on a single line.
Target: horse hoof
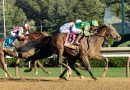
[(63, 78), (81, 77), (95, 79), (27, 70), (49, 73), (36, 73)]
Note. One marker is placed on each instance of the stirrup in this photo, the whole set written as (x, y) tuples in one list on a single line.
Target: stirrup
[(77, 43)]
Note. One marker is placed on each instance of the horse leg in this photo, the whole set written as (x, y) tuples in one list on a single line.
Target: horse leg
[(105, 62), (35, 63), (36, 67), (24, 62), (60, 57), (85, 61), (30, 68), (106, 66), (5, 69), (41, 66), (4, 65), (71, 64), (16, 67), (63, 73)]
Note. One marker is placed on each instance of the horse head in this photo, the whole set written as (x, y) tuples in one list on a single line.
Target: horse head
[(108, 31), (112, 32)]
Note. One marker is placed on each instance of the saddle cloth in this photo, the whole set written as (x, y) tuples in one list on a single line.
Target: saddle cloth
[(70, 40), (8, 42)]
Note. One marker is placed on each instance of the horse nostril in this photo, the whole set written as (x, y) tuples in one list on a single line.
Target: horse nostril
[(118, 38)]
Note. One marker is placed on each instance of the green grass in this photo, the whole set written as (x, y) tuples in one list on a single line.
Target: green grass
[(55, 72), (125, 44)]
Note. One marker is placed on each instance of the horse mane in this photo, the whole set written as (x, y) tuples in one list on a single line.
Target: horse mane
[(36, 35), (102, 26), (34, 44), (39, 32)]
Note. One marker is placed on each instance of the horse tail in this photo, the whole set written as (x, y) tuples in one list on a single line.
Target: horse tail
[(28, 46)]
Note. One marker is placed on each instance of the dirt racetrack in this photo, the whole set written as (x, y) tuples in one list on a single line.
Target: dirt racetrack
[(71, 84)]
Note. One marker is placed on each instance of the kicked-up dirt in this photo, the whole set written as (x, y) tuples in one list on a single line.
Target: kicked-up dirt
[(71, 84)]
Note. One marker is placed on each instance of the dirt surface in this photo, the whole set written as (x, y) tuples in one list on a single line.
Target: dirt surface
[(71, 84)]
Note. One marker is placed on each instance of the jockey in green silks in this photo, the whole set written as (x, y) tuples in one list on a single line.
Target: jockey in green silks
[(87, 29), (93, 26)]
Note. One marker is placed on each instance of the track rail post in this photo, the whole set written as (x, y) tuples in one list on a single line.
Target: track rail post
[(127, 67)]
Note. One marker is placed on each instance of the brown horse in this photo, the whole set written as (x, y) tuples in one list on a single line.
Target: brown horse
[(4, 52), (90, 48)]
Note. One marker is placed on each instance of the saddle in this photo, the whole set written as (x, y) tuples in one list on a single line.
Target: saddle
[(70, 38)]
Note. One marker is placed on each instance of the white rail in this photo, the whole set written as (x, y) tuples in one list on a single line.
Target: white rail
[(117, 52)]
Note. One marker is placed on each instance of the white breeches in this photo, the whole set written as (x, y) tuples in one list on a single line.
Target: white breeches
[(13, 34), (64, 30), (76, 30)]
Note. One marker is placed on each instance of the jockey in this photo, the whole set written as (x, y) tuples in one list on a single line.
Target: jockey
[(93, 25), (87, 28), (27, 28), (77, 27), (84, 27), (67, 27), (17, 32)]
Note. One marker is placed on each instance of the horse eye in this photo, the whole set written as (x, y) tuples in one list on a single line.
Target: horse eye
[(110, 30)]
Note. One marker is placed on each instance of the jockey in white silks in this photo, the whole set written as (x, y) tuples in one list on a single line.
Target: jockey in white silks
[(17, 32), (70, 28), (67, 27)]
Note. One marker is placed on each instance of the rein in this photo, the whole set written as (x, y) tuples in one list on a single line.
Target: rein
[(35, 37), (100, 35)]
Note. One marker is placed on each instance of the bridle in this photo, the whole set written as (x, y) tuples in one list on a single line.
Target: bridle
[(110, 34)]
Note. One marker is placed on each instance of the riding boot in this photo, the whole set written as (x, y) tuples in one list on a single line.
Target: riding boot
[(7, 49), (77, 40)]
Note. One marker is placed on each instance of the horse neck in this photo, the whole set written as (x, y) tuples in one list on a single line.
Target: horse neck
[(22, 43), (97, 39), (101, 31), (36, 35)]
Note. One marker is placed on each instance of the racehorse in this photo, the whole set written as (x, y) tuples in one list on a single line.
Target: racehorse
[(4, 52), (90, 48)]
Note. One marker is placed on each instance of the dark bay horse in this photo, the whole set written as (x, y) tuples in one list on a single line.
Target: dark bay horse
[(90, 48), (4, 52)]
